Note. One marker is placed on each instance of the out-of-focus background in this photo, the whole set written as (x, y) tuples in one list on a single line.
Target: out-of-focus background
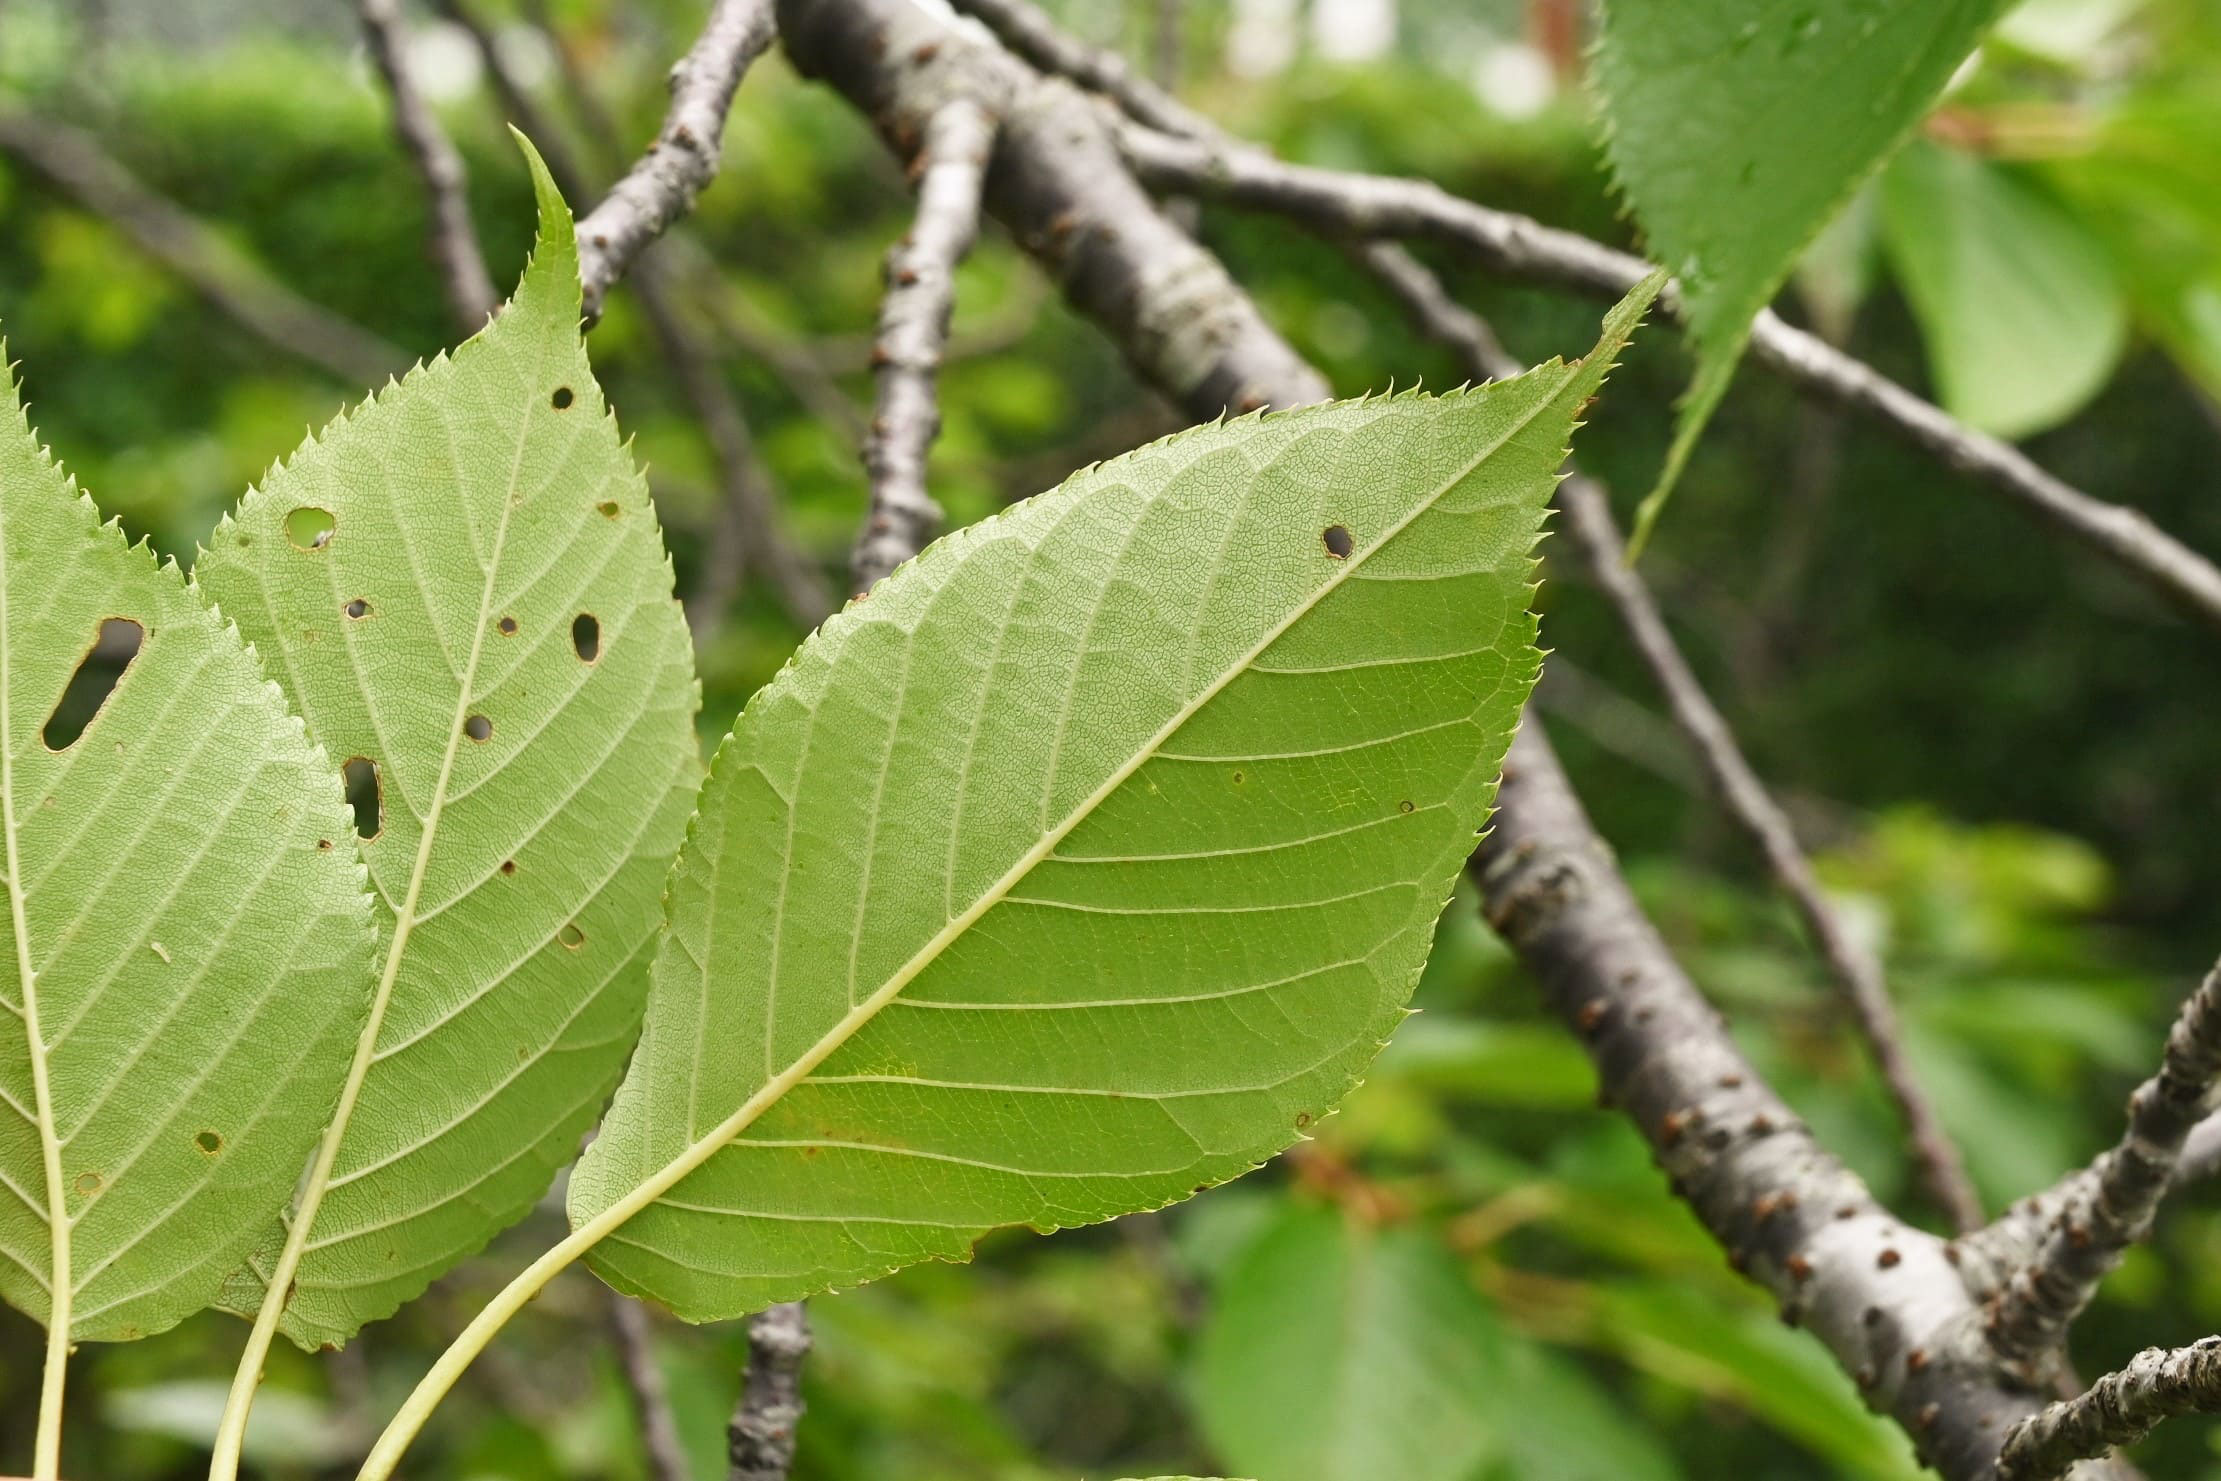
[(2005, 753)]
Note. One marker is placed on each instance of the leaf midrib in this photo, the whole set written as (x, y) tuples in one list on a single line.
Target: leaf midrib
[(701, 1150)]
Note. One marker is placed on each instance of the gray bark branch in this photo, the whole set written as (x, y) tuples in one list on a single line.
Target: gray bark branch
[(1381, 206), (2098, 1216), (1885, 1298), (762, 1433), (687, 151), (1596, 536), (913, 336), (226, 278), (659, 1428), (2120, 1409), (454, 241)]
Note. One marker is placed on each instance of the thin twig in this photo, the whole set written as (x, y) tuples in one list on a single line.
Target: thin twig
[(454, 241), (749, 532), (1369, 206), (225, 277), (913, 333), (762, 1433), (1595, 534), (659, 1428), (2119, 1409), (2101, 1215), (662, 186)]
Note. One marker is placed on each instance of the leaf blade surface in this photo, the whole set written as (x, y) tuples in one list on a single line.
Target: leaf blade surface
[(1091, 857), (419, 572), (190, 940)]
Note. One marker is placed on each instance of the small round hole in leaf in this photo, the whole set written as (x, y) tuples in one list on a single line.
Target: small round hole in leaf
[(508, 866), (1338, 541), (478, 727), (562, 398), (358, 608), (88, 1183), (210, 1142), (310, 528), (586, 637), (610, 508), (507, 627), (571, 936)]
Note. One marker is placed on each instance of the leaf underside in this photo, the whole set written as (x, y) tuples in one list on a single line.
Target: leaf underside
[(424, 615), (1090, 858), (1736, 128), (199, 962)]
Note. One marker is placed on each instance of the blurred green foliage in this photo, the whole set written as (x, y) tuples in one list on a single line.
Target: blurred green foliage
[(2002, 746)]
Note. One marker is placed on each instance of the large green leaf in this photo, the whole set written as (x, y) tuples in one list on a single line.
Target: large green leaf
[(422, 575), (186, 950), (2018, 302), (1342, 1353), (1091, 858), (1736, 128)]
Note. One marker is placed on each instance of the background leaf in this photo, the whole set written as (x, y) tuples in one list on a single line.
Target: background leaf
[(199, 946), (1337, 1352), (2021, 310), (462, 583), (1736, 128), (1090, 859)]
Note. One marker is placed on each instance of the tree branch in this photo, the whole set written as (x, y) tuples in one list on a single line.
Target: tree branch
[(659, 1429), (1056, 182), (913, 334), (1885, 1298), (225, 278), (763, 1428), (1595, 535), (748, 532), (2102, 1214), (1382, 206), (2120, 1409), (686, 153), (454, 241)]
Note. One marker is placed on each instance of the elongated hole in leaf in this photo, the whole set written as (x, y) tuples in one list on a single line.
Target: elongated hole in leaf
[(310, 528), (102, 668), (562, 398), (586, 637), (478, 727), (210, 1142), (1338, 541), (364, 796), (571, 936)]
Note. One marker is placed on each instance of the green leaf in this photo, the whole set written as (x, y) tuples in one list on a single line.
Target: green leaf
[(186, 954), (2022, 313), (1736, 128), (424, 574), (1335, 1352), (1091, 858)]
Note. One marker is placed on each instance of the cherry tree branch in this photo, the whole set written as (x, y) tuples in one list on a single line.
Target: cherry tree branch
[(762, 1432), (1596, 536), (913, 335), (659, 1428), (224, 277), (1383, 206), (2098, 1216), (662, 185), (454, 241), (2119, 1409), (1885, 1298), (749, 532)]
